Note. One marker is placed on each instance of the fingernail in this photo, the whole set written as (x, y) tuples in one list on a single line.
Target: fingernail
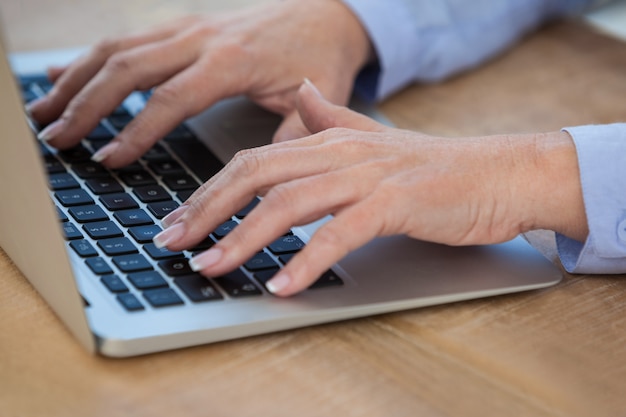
[(168, 220), (278, 283), (205, 259), (52, 130), (28, 107), (104, 152), (169, 236), (313, 87)]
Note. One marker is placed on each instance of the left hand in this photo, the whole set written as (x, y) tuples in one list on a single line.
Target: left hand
[(376, 181)]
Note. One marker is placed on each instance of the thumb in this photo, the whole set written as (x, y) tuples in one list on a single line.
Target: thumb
[(318, 114), (290, 128)]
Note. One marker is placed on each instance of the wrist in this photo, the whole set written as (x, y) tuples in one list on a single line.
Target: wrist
[(554, 200), (356, 43)]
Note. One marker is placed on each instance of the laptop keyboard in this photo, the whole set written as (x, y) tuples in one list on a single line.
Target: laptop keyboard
[(110, 217)]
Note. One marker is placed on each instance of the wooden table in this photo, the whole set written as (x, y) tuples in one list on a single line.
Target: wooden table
[(560, 351)]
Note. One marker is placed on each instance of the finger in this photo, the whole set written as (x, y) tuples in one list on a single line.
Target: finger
[(125, 72), (349, 230), (319, 114), (287, 205), (246, 176), (182, 96), (54, 72), (77, 74), (254, 171), (290, 128)]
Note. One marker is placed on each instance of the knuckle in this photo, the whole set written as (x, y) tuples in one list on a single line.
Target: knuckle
[(247, 162), (282, 197), (118, 63), (106, 47), (329, 237), (166, 94), (80, 105)]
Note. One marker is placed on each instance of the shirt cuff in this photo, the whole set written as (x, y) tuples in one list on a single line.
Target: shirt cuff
[(601, 152), (392, 29)]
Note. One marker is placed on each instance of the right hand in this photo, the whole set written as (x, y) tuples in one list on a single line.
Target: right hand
[(263, 52)]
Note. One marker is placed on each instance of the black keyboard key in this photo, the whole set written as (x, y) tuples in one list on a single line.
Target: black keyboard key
[(260, 261), (135, 178), (263, 276), (247, 209), (100, 133), (120, 111), (181, 183), (163, 297), (198, 288), (224, 229), (286, 244), (99, 266), (53, 165), (87, 214), (134, 217), (176, 267), (75, 155), (144, 234), (71, 232), (285, 258), (119, 121), (87, 170), (161, 209), (147, 280), (156, 153), (151, 193), (184, 195), (83, 248), (117, 246), (162, 253), (119, 201), (204, 245), (328, 279), (114, 283), (102, 230), (130, 302), (73, 197), (180, 132), (132, 263), (130, 168), (62, 181), (166, 168), (104, 185), (237, 284), (28, 96), (61, 215)]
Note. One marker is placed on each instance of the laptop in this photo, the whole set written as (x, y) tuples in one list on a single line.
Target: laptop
[(82, 237)]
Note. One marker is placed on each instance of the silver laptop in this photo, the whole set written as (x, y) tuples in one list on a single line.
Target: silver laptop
[(89, 256)]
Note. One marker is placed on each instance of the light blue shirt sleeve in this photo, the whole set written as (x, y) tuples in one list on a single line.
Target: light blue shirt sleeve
[(427, 41), (601, 154)]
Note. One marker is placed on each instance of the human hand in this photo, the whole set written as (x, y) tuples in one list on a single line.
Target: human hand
[(263, 52), (378, 181)]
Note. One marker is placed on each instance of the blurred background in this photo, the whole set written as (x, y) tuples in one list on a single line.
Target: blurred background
[(30, 25)]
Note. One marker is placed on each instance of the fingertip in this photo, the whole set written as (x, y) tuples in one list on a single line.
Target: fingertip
[(279, 284), (105, 152), (54, 72)]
